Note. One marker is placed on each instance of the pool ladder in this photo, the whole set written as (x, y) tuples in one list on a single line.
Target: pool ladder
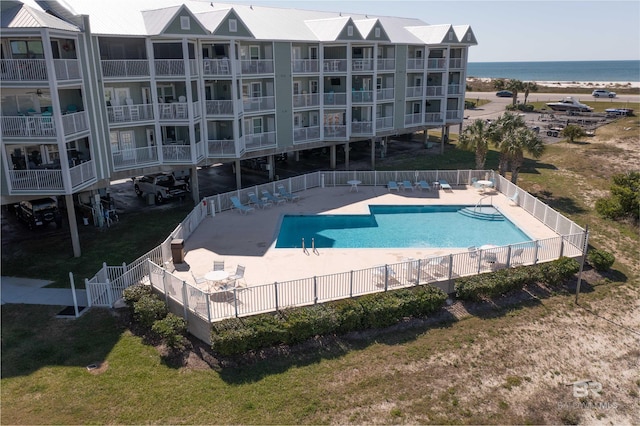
[(313, 247)]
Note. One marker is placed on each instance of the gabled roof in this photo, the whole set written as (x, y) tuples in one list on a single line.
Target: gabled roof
[(367, 27), (157, 21), (14, 14), (328, 29), (434, 34), (242, 27), (465, 34)]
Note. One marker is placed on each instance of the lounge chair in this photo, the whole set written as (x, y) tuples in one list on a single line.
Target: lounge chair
[(239, 206), (514, 198), (423, 185), (199, 280), (273, 199), (473, 251), (257, 201), (393, 186), (444, 184), (407, 185), (286, 194), (517, 253)]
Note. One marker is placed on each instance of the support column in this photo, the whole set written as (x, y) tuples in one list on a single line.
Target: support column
[(73, 225), (346, 156), (442, 139), (297, 156), (194, 184), (373, 153), (238, 175), (272, 166), (332, 157)]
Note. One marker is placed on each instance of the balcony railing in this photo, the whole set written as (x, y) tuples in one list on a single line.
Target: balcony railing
[(437, 63), (306, 100), (455, 63), (260, 140), (386, 64), (221, 148), (75, 122), (28, 126), (385, 94), (335, 65), (23, 70), (454, 89), (82, 173), (305, 134), (265, 103), (132, 158), (216, 67), (453, 115), (174, 111), (130, 113), (125, 68), (173, 67), (36, 180), (337, 131), (66, 69), (302, 66), (219, 108), (435, 90), (414, 92), (362, 64), (433, 117), (411, 119), (362, 128), (384, 123), (335, 98), (415, 64), (361, 96), (176, 153), (256, 66)]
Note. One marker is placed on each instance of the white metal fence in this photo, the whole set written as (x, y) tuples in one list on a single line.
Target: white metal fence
[(155, 268)]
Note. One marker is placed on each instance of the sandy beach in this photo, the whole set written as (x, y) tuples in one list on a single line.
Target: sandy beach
[(576, 84)]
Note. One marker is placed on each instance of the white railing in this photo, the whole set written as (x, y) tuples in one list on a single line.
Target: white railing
[(433, 117), (129, 113), (125, 68), (454, 89), (385, 94), (256, 66), (196, 108), (32, 180), (362, 127), (435, 90), (131, 158), (169, 67), (176, 153), (82, 173), (216, 67), (415, 64), (386, 64), (221, 148), (410, 119), (305, 65), (453, 115), (414, 92), (23, 70), (219, 108), (67, 69), (437, 63), (28, 126), (306, 100), (335, 65), (260, 140), (335, 131), (335, 98), (75, 122), (265, 103), (304, 134), (384, 123), (455, 63), (174, 111), (361, 96), (362, 64)]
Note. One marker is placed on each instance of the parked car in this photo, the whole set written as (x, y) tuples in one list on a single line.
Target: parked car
[(40, 212), (504, 94), (601, 93), (162, 185)]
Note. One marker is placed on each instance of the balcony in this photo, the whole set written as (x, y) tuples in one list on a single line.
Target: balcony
[(254, 142), (306, 134), (435, 90), (361, 96), (437, 63), (125, 68), (337, 131), (454, 115), (306, 100), (412, 119), (174, 111), (256, 66), (362, 128), (335, 65), (224, 148), (82, 173), (28, 126), (265, 103), (130, 113), (454, 89), (174, 67), (23, 70), (216, 67), (219, 108), (456, 63), (433, 117), (415, 64), (66, 69), (75, 123), (385, 64), (36, 180), (414, 92), (384, 123), (132, 158), (362, 65), (335, 99), (385, 94), (302, 66), (175, 153)]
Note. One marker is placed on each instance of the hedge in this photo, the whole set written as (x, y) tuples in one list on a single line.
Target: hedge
[(601, 260)]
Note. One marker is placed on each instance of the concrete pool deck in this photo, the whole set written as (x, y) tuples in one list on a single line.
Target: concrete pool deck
[(249, 239)]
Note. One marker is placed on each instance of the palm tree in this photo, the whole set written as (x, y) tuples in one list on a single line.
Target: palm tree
[(514, 86), (522, 140), (475, 138), (529, 86), (500, 135), (573, 132)]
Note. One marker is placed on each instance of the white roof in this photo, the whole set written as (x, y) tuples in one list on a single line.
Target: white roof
[(150, 17), (17, 15)]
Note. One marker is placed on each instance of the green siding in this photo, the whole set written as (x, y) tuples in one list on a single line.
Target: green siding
[(284, 94), (401, 85), (344, 33), (175, 28), (223, 28), (383, 34)]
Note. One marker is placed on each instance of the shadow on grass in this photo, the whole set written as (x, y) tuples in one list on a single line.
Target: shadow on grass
[(563, 204)]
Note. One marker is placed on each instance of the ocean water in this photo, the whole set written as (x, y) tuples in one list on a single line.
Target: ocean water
[(619, 71)]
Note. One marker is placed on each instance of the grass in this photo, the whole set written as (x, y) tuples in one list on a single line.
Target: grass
[(419, 374)]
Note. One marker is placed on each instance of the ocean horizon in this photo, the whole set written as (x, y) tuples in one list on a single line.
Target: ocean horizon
[(560, 71)]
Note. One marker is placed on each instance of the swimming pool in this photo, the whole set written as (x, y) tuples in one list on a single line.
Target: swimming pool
[(398, 227)]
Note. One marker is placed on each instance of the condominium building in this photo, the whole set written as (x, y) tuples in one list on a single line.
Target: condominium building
[(94, 91)]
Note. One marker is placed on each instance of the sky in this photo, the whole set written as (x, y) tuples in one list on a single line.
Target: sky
[(515, 30)]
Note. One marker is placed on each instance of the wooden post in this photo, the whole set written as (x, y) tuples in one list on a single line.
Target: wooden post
[(582, 259)]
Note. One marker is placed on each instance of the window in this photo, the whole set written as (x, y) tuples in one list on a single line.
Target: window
[(377, 32), (254, 52), (257, 125), (416, 107), (469, 37), (233, 25), (297, 120), (313, 52), (185, 23), (313, 86), (350, 31), (450, 36), (378, 83), (27, 49)]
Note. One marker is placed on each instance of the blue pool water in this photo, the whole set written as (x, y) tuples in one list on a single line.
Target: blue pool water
[(397, 227)]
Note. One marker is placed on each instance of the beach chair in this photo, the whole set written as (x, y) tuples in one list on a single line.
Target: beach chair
[(444, 184), (473, 251), (423, 185), (253, 198), (287, 195), (514, 198), (218, 265), (272, 198), (234, 279), (393, 186), (239, 206), (407, 185)]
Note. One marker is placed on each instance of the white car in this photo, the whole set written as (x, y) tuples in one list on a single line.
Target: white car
[(600, 93)]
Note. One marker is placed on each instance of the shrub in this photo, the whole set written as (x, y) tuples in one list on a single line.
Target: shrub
[(559, 270), (380, 310), (148, 309), (349, 315), (132, 294), (625, 198), (171, 329), (428, 299), (306, 322), (267, 330), (230, 337), (601, 260), (520, 107)]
